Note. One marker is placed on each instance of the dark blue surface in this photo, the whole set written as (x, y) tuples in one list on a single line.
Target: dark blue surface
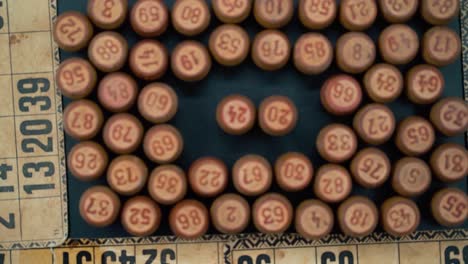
[(196, 117)]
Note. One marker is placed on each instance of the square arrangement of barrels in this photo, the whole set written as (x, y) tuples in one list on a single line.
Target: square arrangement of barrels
[(317, 117)]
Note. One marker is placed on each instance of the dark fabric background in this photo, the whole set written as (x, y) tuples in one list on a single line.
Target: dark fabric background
[(202, 136)]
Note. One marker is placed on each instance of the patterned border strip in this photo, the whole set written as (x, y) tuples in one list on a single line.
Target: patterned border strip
[(252, 241), (61, 135), (119, 241), (464, 39)]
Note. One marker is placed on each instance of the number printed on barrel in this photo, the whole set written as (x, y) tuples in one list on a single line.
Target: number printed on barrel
[(272, 7), (252, 175), (359, 216), (117, 92), (343, 92), (73, 76), (122, 133), (293, 171), (441, 46), (87, 160), (149, 14), (229, 44), (332, 183), (232, 11), (415, 136), (370, 167), (82, 119), (272, 213), (99, 206), (411, 177), (107, 14), (277, 115), (383, 82), (158, 99), (76, 78), (315, 50), (141, 216), (149, 18), (425, 84), (313, 53), (273, 48), (373, 168), (417, 133), (399, 44), (450, 207), (386, 81), (450, 116), (453, 162), (190, 17), (233, 6), (167, 184), (454, 205), (157, 102), (314, 219), (163, 143), (374, 123), (336, 143), (455, 115), (439, 12), (402, 218), (189, 219), (72, 31), (450, 162), (238, 113), (319, 218), (270, 50), (273, 13), (230, 213), (358, 14), (443, 6), (127, 174), (317, 14), (149, 59), (208, 176), (190, 61), (341, 95), (108, 51), (443, 43), (235, 114), (320, 7), (355, 52), (398, 11)]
